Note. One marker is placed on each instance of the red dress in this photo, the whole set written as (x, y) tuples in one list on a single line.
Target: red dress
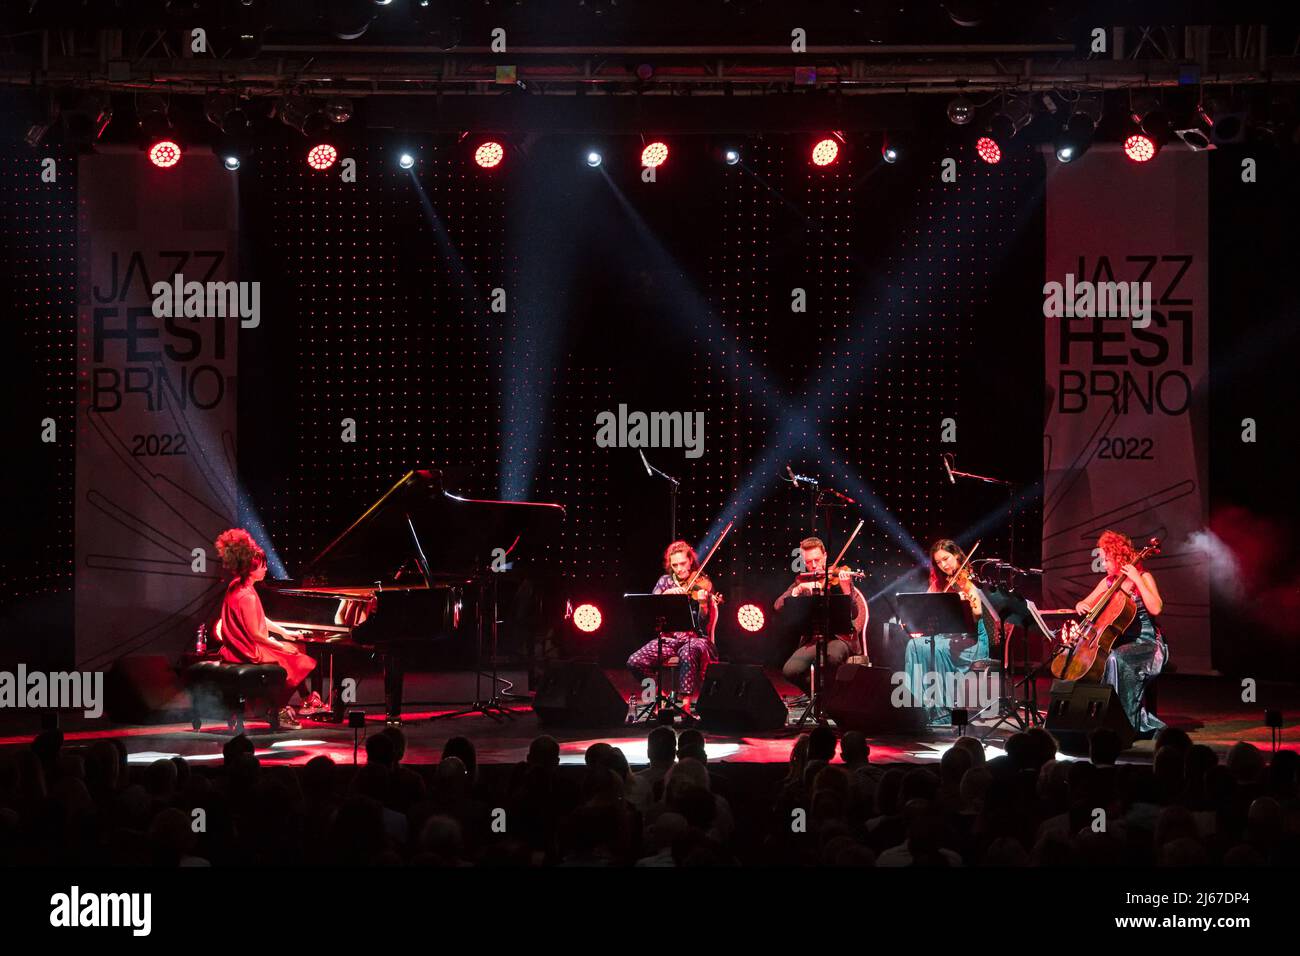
[(244, 634)]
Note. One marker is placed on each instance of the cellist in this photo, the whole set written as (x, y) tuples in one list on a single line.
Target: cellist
[(1140, 652)]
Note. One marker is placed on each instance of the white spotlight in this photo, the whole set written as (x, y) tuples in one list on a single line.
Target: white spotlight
[(594, 159), (406, 161)]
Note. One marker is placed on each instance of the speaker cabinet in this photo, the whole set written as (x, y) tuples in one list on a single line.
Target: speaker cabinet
[(1077, 709), (578, 694), (739, 697), (858, 698)]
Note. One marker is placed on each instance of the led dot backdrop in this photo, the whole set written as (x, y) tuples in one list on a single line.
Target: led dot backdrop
[(38, 289), (675, 295)]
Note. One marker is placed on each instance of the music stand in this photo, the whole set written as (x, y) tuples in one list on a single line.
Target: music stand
[(931, 613), (820, 616), (666, 614), (1018, 611)]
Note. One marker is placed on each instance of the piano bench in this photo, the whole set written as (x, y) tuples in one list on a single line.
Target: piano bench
[(223, 689)]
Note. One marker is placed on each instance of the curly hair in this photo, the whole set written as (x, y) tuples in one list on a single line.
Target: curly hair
[(239, 553), (680, 546), (1118, 547)]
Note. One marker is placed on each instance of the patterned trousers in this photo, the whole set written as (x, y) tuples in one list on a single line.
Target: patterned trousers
[(694, 651)]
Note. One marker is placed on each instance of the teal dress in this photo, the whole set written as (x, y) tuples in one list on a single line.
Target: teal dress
[(948, 668), (1135, 660)]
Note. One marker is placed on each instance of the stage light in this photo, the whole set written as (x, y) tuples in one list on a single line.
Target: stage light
[(1014, 116), (961, 111), (165, 153), (1153, 129), (1140, 148), (893, 148), (231, 163), (1076, 133), (655, 154), (225, 112), (731, 157), (322, 156), (586, 618), (489, 155), (406, 160), (825, 152), (750, 617), (306, 115), (594, 159), (988, 150), (1227, 122)]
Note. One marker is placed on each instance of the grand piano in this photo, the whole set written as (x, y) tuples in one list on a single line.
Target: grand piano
[(402, 572)]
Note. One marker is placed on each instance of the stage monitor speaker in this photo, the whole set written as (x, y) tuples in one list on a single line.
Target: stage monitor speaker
[(578, 694), (144, 689), (739, 697), (859, 698), (1077, 709)]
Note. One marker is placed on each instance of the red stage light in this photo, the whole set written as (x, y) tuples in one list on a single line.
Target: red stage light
[(1140, 148), (825, 152), (586, 617), (656, 154), (322, 156), (988, 150), (489, 154), (750, 617), (165, 154)]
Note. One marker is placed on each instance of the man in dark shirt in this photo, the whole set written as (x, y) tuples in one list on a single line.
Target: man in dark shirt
[(841, 646)]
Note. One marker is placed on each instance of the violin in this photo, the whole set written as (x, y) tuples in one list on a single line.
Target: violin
[(701, 590), (817, 578)]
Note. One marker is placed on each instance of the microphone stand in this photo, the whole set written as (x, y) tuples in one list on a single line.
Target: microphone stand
[(1011, 497), (673, 484)]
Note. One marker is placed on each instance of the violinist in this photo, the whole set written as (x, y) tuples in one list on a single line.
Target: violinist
[(694, 649), (1140, 652), (842, 646), (953, 654)]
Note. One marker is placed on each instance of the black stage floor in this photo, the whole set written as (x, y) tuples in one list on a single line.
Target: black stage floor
[(1209, 708)]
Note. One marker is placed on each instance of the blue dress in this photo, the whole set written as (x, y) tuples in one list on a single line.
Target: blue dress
[(1135, 660), (947, 668)]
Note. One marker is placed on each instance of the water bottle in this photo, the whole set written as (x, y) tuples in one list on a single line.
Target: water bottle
[(201, 640), (632, 703)]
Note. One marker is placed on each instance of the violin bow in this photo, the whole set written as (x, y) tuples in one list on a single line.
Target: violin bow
[(844, 549), (712, 551), (953, 577)]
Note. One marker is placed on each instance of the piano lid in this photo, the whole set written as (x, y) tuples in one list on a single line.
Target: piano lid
[(419, 535)]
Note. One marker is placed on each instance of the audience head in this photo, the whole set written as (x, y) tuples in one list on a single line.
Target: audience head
[(690, 743), (661, 746), (544, 752), (821, 743), (854, 748)]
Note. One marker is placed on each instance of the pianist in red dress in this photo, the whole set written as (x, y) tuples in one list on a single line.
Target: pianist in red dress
[(246, 631)]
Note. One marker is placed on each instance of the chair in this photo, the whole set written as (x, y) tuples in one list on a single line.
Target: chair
[(225, 689)]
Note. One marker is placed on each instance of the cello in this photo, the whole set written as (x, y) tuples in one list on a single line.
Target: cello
[(1083, 655)]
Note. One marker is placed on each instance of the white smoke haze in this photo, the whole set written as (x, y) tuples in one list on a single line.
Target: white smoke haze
[(1222, 565)]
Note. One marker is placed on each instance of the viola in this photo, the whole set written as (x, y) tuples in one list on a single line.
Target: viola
[(1087, 644), (817, 578)]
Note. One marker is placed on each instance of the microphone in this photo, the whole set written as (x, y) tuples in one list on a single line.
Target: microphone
[(646, 463), (948, 468)]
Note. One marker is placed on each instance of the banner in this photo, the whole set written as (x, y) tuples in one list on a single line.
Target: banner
[(1125, 302), (156, 343)]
